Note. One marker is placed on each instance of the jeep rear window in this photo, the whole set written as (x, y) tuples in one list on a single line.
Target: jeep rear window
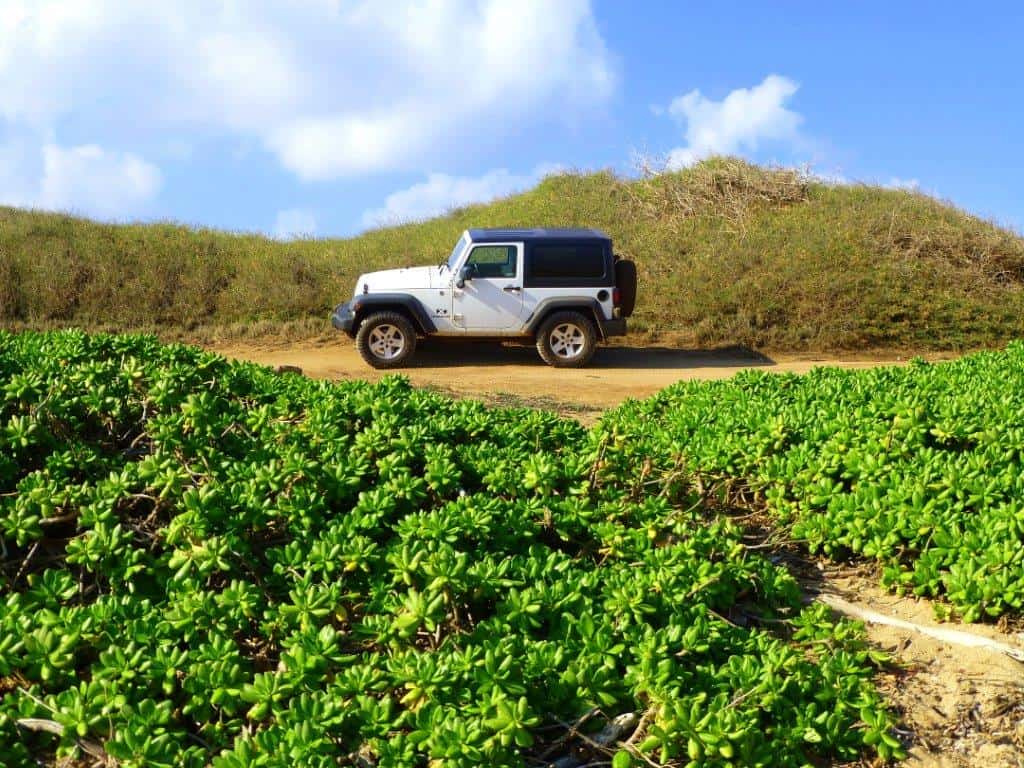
[(567, 261)]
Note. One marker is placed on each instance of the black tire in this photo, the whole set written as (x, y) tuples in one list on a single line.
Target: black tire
[(566, 339), (386, 340), (625, 281)]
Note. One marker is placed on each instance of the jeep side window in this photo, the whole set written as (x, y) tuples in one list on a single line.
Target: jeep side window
[(566, 262), (493, 260)]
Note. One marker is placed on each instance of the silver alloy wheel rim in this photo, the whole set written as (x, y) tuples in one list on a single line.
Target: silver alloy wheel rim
[(567, 340), (386, 341)]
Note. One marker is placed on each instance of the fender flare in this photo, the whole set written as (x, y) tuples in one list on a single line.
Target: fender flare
[(579, 303), (367, 302)]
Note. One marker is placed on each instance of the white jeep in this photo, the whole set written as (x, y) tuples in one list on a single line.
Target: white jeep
[(563, 289)]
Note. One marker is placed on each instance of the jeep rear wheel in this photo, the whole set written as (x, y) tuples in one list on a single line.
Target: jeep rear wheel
[(566, 340), (386, 340)]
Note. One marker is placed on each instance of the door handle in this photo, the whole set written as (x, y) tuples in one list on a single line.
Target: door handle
[(511, 289)]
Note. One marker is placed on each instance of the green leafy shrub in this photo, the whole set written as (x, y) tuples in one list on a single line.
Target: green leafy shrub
[(918, 467), (206, 563)]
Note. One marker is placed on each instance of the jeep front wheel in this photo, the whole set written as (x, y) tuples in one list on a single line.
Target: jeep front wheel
[(386, 340), (566, 340)]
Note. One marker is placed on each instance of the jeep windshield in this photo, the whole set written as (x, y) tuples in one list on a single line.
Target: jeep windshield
[(457, 251)]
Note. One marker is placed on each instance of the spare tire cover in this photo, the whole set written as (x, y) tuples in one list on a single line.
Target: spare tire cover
[(625, 281)]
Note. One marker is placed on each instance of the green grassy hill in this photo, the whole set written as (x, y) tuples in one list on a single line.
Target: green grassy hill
[(728, 253)]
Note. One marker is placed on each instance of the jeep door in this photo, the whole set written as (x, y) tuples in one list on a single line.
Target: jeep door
[(492, 298)]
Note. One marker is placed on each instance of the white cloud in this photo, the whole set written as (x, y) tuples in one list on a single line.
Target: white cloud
[(326, 148), (86, 179), (293, 223), (331, 89), (741, 122), (20, 169), (836, 178), (897, 183), (441, 192), (93, 179), (833, 178)]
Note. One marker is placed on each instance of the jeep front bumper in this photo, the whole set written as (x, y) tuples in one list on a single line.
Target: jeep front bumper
[(343, 318)]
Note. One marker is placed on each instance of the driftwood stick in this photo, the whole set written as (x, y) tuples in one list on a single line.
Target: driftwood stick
[(951, 636)]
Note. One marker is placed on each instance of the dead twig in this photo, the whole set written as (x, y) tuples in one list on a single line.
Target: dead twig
[(572, 731), (52, 726), (25, 563), (640, 727)]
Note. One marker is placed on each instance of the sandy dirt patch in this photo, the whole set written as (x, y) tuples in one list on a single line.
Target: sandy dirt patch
[(962, 707), (516, 376)]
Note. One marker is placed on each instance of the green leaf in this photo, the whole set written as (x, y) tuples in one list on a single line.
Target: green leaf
[(812, 736)]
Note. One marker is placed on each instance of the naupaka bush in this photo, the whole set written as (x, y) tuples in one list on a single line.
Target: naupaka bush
[(206, 563), (920, 467)]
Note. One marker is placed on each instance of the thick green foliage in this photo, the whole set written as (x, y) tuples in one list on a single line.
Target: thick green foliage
[(207, 563), (920, 467)]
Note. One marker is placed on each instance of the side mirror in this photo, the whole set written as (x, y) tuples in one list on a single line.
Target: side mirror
[(466, 273)]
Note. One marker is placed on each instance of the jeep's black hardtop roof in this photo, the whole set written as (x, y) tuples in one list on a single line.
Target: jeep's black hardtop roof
[(504, 235)]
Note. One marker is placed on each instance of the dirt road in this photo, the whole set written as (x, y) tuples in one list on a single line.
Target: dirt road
[(516, 375)]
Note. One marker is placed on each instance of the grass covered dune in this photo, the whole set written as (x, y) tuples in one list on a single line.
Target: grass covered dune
[(728, 253)]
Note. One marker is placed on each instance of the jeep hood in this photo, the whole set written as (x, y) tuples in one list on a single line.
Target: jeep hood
[(402, 279)]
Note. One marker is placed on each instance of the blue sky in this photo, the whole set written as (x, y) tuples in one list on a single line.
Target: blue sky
[(327, 116)]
